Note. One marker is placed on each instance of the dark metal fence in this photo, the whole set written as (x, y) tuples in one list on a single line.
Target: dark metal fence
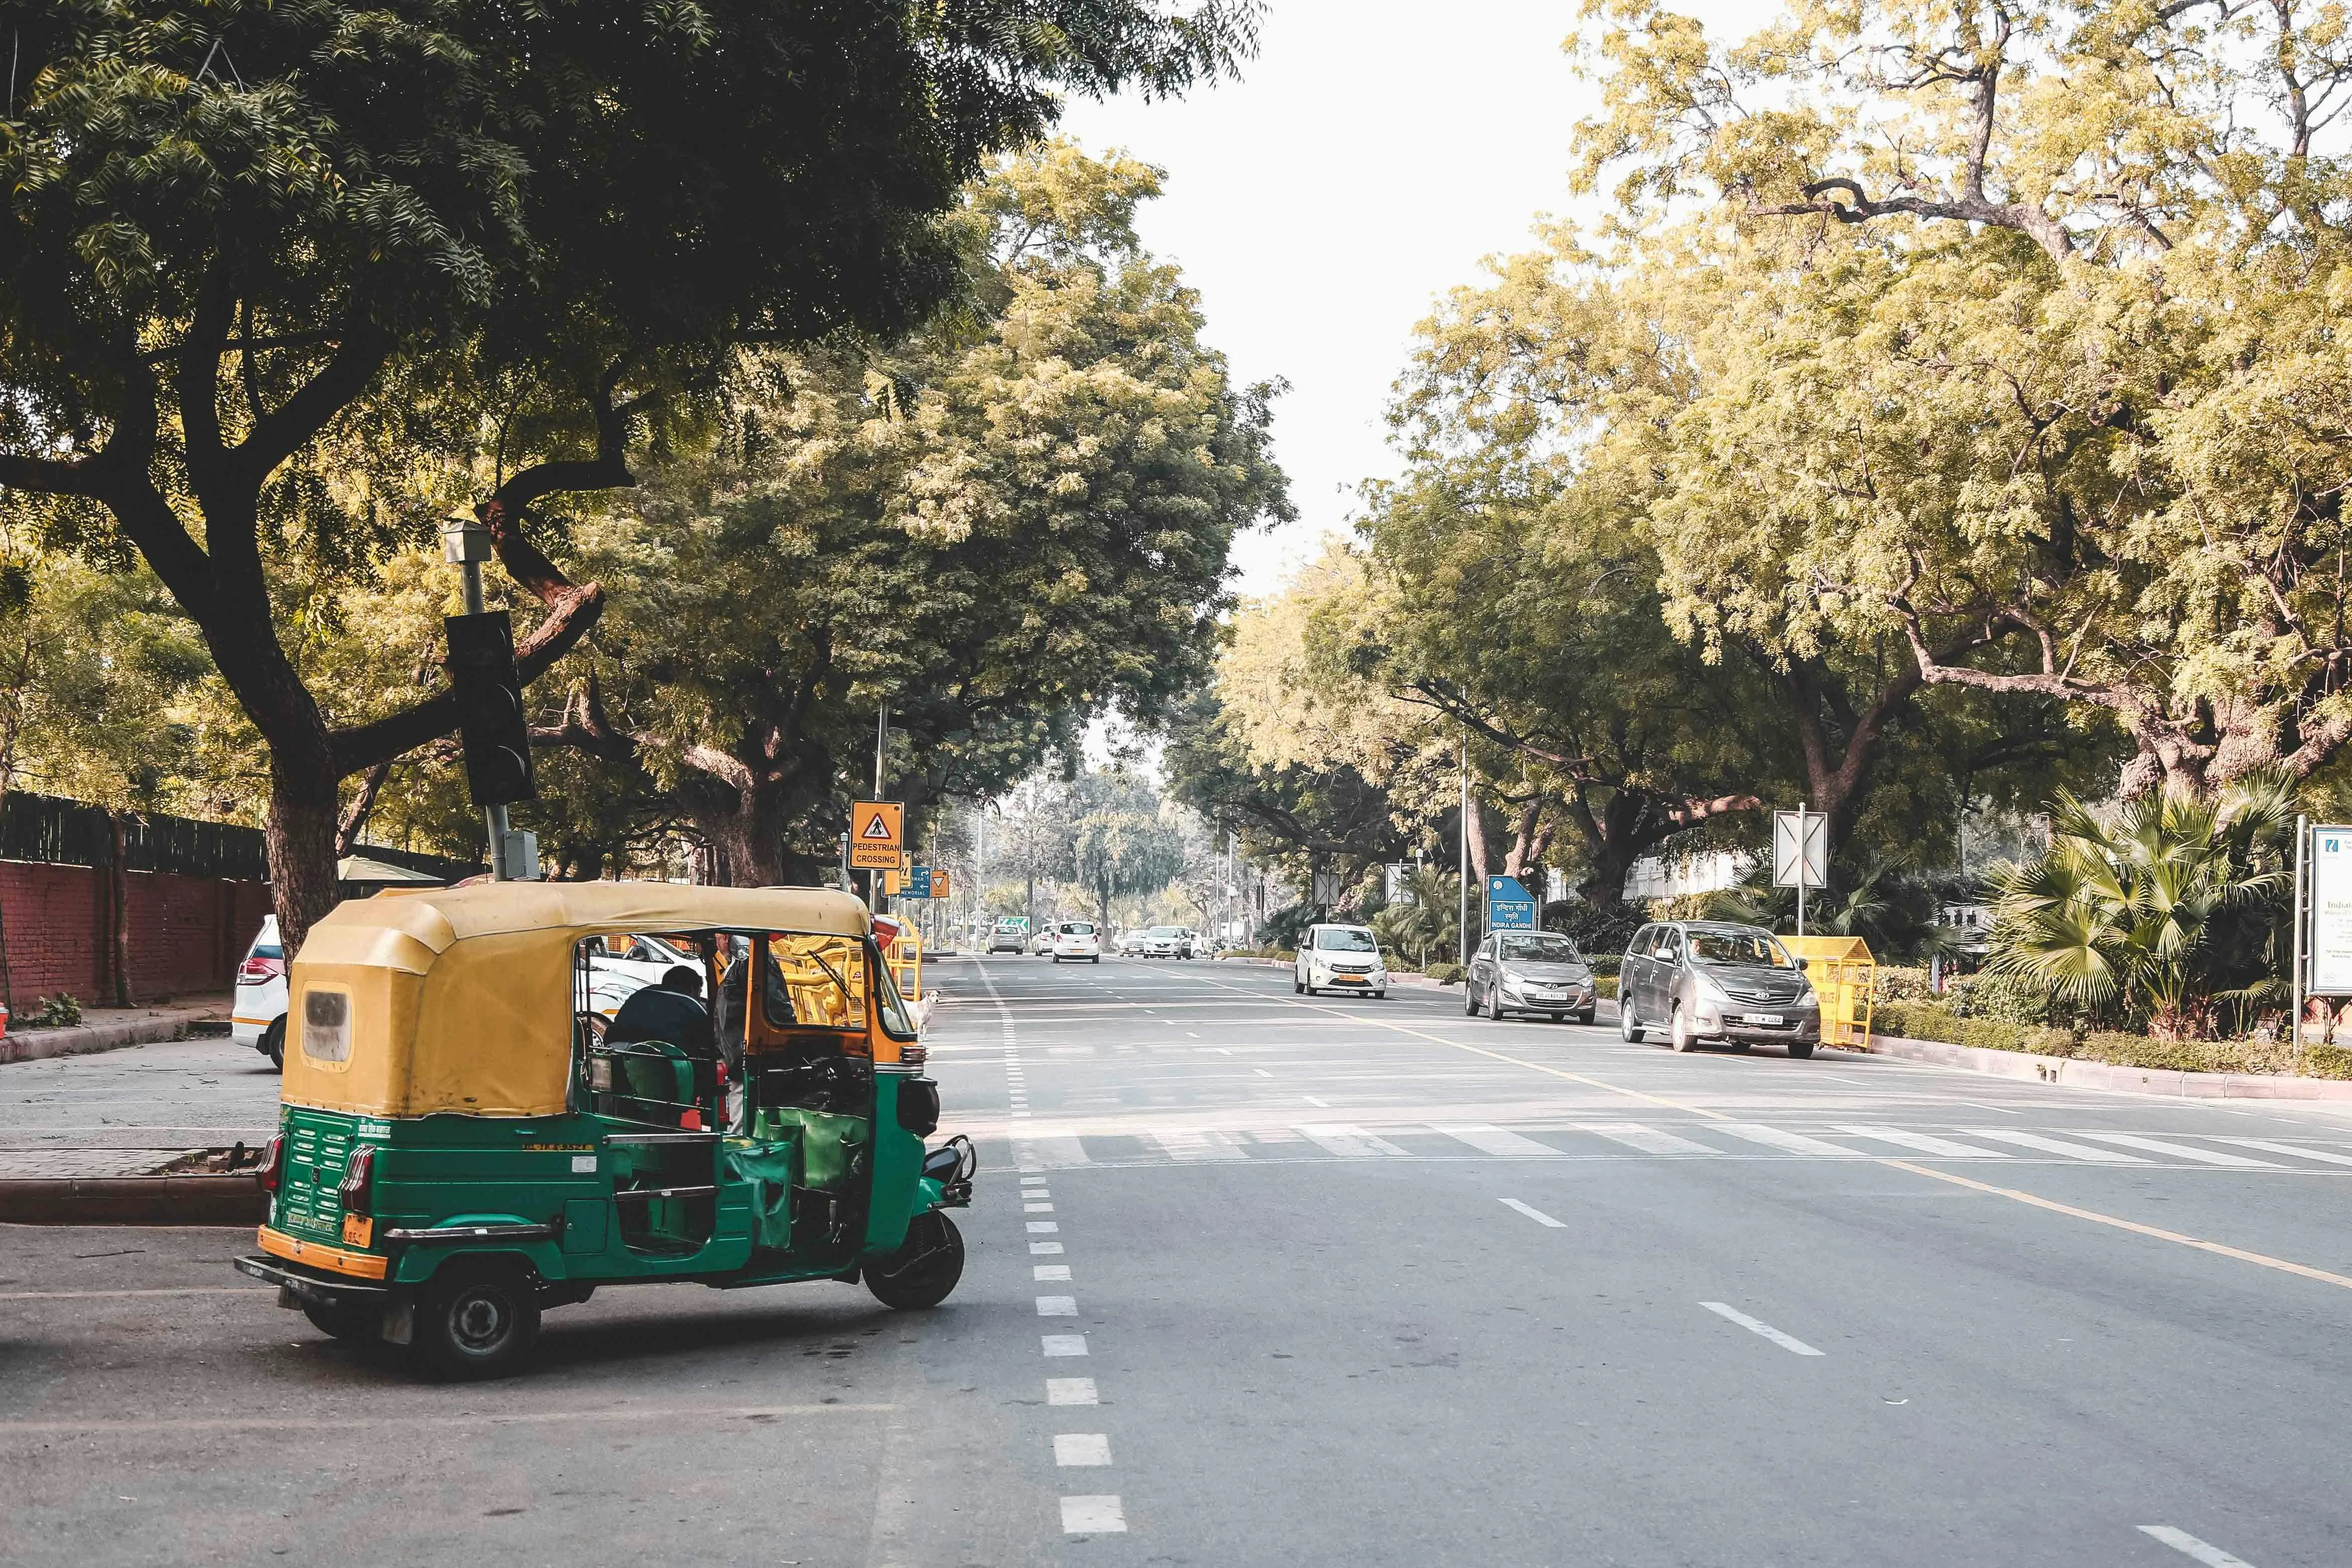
[(68, 833)]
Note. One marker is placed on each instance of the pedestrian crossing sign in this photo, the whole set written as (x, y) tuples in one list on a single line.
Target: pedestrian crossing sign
[(876, 838)]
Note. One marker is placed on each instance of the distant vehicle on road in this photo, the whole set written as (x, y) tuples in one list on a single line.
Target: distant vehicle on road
[(1042, 944), (1164, 941), (1528, 971), (257, 1017), (1077, 941), (1709, 980), (1339, 958), (1010, 935)]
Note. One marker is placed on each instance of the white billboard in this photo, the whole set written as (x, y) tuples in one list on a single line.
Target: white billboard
[(2331, 911)]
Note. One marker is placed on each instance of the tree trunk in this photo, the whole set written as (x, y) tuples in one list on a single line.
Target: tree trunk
[(1474, 827), (301, 836)]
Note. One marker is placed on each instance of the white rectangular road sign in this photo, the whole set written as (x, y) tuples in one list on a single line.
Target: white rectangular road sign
[(2330, 958), (1796, 864)]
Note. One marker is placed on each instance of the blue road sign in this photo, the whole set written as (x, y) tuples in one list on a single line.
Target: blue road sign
[(1509, 907), (919, 882)]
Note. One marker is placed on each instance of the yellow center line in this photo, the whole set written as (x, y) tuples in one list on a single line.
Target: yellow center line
[(2221, 1249), (2239, 1253)]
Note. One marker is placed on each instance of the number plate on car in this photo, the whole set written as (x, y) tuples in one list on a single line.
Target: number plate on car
[(1766, 1018), (359, 1230)]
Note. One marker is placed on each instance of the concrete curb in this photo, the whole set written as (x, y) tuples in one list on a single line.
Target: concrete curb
[(165, 1023), (2071, 1073), (135, 1200)]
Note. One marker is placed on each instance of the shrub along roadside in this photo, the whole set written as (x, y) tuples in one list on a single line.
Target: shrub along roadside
[(1926, 1021)]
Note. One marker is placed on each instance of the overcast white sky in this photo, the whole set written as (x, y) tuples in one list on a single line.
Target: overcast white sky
[(1371, 154)]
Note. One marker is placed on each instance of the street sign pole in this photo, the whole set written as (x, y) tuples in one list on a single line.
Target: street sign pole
[(1801, 863), (2295, 1009), (1462, 904)]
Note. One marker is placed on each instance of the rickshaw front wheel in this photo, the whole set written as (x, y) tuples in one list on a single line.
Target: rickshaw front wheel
[(476, 1320), (922, 1273)]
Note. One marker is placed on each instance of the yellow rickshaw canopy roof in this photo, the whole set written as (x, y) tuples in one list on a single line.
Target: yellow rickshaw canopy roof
[(460, 999)]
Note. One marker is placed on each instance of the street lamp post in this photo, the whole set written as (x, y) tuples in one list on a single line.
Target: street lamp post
[(466, 544)]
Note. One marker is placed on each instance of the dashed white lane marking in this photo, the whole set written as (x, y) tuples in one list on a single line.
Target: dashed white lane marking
[(1926, 1144), (1261, 1072), (1494, 1141), (1063, 1344), (1037, 1208), (1074, 1449), (1071, 1391), (1032, 1181), (1046, 1272), (1311, 1100), (2297, 1150), (1057, 1305), (2180, 1151), (1350, 1143), (1757, 1326), (1648, 1140), (1045, 1249), (1092, 1516), (1794, 1143), (1044, 1226), (1190, 1148), (1535, 1215), (2188, 1545), (2058, 1146)]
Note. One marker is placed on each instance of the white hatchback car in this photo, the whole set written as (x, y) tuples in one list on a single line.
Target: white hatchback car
[(1339, 958), (258, 1018), (1075, 940)]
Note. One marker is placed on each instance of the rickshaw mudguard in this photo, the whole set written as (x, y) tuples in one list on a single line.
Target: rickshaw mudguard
[(419, 1260)]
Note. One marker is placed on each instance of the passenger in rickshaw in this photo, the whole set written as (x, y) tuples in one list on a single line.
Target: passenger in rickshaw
[(661, 1038)]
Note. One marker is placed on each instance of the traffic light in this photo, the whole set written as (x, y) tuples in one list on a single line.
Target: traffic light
[(489, 708)]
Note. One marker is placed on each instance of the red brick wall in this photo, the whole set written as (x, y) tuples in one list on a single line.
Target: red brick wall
[(187, 933)]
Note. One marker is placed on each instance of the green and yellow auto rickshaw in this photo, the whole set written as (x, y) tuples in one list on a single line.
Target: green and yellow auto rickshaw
[(472, 1131)]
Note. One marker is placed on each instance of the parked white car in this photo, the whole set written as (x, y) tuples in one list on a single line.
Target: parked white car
[(257, 1017), (622, 965), (1076, 940), (1339, 958)]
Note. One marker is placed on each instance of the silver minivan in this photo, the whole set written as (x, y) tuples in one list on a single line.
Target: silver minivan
[(1711, 980)]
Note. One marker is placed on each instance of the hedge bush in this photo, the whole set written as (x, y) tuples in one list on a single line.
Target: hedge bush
[(1926, 1021), (1444, 973)]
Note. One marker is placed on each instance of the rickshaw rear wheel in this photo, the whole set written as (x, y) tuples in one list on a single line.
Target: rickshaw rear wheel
[(345, 1320), (933, 1262), (476, 1320)]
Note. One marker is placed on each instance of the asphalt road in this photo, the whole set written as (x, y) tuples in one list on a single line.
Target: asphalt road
[(1256, 1280)]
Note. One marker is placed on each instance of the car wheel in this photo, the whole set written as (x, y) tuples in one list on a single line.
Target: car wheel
[(345, 1320), (1379, 995), (1096, 959), (1678, 1030), (476, 1320), (1495, 1004), (1585, 1017), (1469, 998), (1629, 1028), (922, 1273), (1298, 986), (273, 1043), (1800, 1050)]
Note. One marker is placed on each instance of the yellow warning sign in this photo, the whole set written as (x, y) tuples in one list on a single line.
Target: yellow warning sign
[(875, 841), (939, 885), (894, 882)]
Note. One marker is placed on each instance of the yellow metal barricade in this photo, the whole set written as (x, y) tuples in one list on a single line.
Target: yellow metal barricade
[(1844, 977), (907, 963)]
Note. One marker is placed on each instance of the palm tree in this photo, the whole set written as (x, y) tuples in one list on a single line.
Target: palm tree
[(1423, 922), (2151, 913)]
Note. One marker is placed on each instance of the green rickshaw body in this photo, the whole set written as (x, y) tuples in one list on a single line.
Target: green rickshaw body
[(457, 1097)]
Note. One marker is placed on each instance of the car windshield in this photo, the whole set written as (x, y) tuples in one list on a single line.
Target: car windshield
[(1346, 938), (1161, 931), (1545, 949), (1737, 947)]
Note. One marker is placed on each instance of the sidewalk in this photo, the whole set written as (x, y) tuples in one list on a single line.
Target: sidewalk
[(112, 1028)]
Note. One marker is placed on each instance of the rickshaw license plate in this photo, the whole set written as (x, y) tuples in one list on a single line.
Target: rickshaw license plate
[(1766, 1018), (359, 1230)]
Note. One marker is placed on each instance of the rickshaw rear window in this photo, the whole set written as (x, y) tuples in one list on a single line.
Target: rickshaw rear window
[(326, 1026)]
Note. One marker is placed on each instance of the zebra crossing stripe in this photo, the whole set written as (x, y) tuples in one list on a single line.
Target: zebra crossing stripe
[(1648, 1140), (1789, 1142), (2182, 1151), (1496, 1141), (1188, 1148), (2296, 1150), (1351, 1143), (1943, 1147), (2057, 1146)]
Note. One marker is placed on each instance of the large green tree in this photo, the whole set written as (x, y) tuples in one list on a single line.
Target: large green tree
[(999, 528), (262, 259)]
